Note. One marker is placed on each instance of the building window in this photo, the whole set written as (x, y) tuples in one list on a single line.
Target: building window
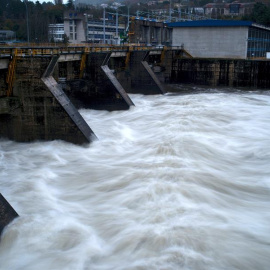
[(75, 36), (70, 22), (71, 36), (70, 29)]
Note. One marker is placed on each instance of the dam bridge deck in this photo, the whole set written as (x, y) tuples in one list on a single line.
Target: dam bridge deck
[(32, 51)]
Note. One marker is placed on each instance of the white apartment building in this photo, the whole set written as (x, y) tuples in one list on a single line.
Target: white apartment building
[(7, 35), (81, 28), (56, 32), (75, 26), (96, 32)]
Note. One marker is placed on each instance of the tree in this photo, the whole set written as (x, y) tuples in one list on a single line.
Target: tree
[(260, 14), (70, 4)]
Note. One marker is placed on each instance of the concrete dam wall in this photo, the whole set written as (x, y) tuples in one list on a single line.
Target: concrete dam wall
[(40, 94), (222, 72), (34, 111)]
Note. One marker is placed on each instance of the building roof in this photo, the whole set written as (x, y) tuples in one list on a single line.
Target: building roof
[(216, 23), (6, 32), (210, 23)]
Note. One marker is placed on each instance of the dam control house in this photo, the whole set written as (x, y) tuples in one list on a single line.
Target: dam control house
[(222, 38)]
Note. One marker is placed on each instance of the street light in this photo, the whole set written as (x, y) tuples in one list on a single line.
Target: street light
[(116, 6), (170, 20), (104, 6), (86, 26), (128, 15), (179, 11), (27, 21)]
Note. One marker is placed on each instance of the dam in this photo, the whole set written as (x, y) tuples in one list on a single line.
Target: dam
[(42, 88)]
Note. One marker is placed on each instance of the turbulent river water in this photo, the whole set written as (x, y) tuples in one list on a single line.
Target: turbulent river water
[(180, 181)]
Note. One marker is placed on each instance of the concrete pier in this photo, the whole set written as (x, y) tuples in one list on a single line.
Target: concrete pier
[(42, 88), (141, 74), (154, 77), (7, 213), (99, 88), (38, 109), (117, 85)]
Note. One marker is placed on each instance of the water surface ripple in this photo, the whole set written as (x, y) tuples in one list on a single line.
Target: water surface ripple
[(180, 181)]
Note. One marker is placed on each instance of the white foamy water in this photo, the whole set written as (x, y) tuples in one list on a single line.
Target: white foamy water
[(177, 182)]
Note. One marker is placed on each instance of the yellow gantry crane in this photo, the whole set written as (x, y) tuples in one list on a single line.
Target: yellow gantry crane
[(82, 66), (11, 73)]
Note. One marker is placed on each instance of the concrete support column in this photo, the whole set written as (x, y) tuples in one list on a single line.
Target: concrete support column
[(147, 35), (215, 73), (231, 73), (99, 88), (158, 32), (143, 80), (69, 71)]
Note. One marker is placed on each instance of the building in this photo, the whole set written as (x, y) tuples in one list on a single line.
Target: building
[(81, 28), (228, 9), (214, 9), (144, 31), (112, 32), (222, 38), (7, 36), (235, 8), (56, 32), (85, 3), (75, 26)]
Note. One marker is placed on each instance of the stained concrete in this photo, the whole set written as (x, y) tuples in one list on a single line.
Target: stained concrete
[(143, 80), (99, 88), (220, 72), (34, 111)]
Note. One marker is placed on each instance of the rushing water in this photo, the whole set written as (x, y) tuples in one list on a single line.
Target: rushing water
[(180, 181)]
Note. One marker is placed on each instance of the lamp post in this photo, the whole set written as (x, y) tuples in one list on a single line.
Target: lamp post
[(27, 21), (128, 14), (179, 10), (170, 13), (116, 6), (86, 27), (104, 36)]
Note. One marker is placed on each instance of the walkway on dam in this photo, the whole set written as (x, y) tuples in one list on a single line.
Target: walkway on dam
[(34, 50)]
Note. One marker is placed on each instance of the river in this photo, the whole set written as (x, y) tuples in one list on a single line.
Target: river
[(180, 181)]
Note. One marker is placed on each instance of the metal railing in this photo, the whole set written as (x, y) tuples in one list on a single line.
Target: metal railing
[(32, 51)]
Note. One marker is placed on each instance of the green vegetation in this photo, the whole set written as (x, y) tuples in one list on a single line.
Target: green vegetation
[(13, 17), (260, 14)]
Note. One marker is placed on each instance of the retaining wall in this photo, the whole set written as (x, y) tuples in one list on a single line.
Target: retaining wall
[(220, 72)]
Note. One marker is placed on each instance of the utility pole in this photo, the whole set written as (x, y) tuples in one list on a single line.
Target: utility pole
[(179, 11), (128, 17), (117, 24), (116, 6), (104, 31), (170, 12), (86, 27)]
